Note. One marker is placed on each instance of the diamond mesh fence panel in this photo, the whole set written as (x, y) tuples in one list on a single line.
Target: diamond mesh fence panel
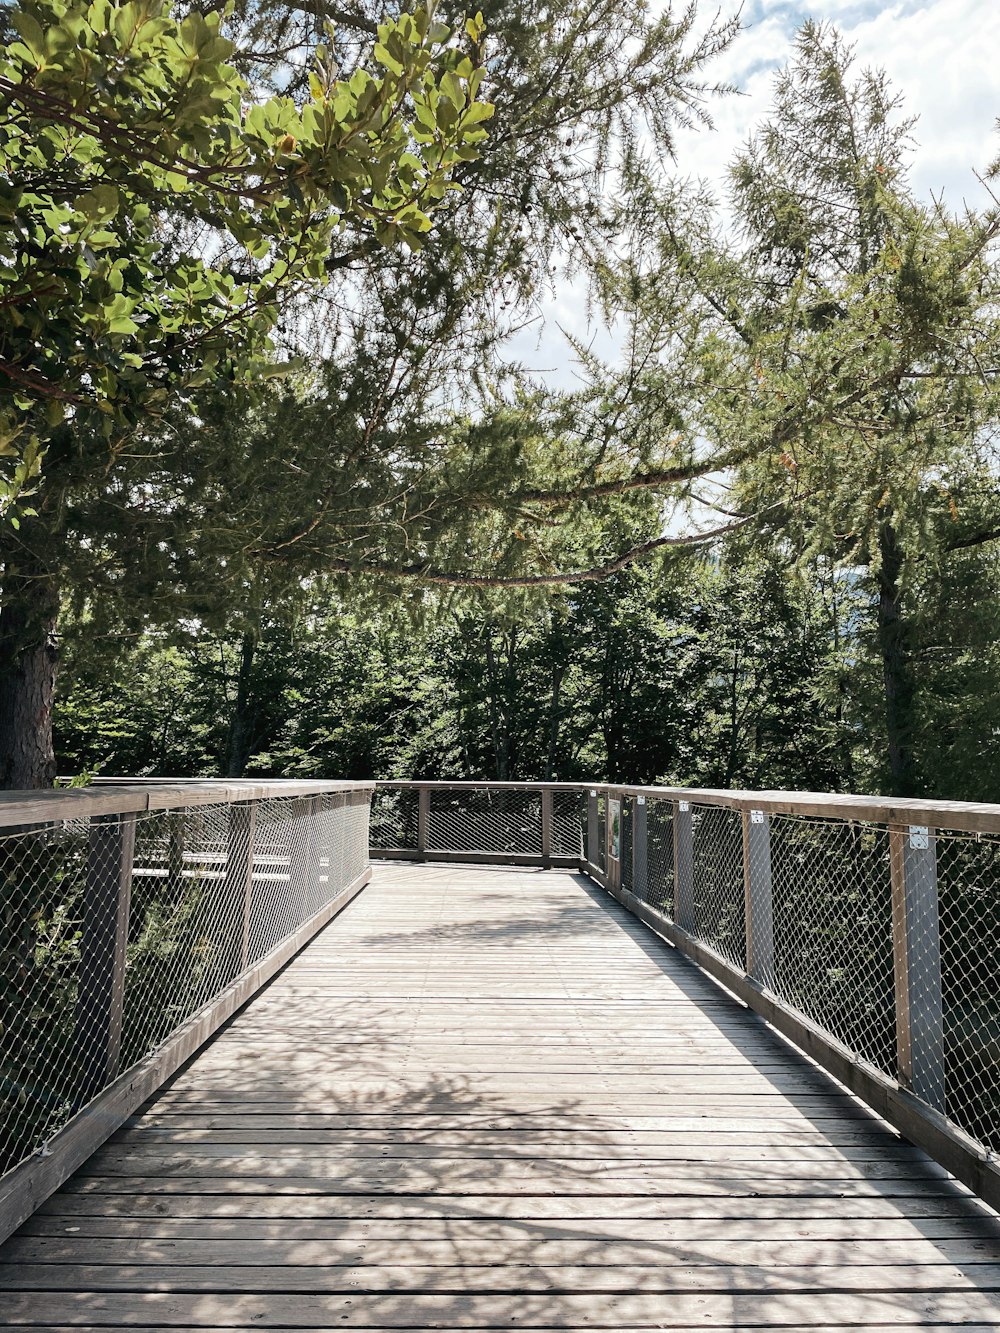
[(660, 856), (495, 820), (968, 880), (832, 907), (117, 930), (569, 815), (394, 818), (43, 877), (718, 881)]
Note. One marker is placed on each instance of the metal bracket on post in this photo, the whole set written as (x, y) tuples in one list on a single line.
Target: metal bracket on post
[(640, 849), (684, 866), (104, 936), (546, 825), (758, 900), (916, 952), (423, 817)]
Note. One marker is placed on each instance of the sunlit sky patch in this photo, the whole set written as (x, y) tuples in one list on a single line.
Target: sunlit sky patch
[(941, 54)]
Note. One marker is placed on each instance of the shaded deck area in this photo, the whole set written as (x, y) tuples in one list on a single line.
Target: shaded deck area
[(488, 1098)]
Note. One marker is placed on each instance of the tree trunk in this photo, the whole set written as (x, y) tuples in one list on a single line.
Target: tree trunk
[(499, 719), (29, 658), (558, 672), (897, 670), (242, 721)]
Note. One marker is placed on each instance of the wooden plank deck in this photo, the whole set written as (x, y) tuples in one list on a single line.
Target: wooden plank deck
[(491, 1099)]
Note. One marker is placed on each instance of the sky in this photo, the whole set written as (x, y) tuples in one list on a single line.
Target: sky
[(943, 55)]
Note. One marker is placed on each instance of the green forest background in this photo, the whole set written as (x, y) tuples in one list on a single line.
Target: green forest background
[(729, 670)]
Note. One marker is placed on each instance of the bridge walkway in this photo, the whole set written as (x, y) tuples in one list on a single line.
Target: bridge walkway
[(490, 1098)]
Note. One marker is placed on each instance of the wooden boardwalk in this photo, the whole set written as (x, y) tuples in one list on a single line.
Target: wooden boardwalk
[(491, 1099)]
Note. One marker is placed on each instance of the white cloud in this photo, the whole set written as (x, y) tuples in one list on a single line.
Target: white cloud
[(940, 54)]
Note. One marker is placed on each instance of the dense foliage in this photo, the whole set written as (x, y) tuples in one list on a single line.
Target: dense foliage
[(728, 672), (155, 212)]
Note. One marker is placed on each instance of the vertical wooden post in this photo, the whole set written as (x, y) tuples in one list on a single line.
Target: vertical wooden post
[(916, 956), (593, 828), (758, 896), (237, 884), (423, 817), (104, 936), (640, 849), (546, 825), (684, 866)]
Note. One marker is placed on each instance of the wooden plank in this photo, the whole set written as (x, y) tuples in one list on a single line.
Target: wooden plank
[(248, 1274), (621, 1310), (633, 1253), (110, 796), (268, 1203), (490, 1235)]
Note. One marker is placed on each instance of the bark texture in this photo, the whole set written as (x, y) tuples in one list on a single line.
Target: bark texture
[(897, 668), (243, 721), (29, 661)]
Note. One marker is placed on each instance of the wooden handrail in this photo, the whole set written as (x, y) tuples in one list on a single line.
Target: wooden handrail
[(960, 816), (122, 796)]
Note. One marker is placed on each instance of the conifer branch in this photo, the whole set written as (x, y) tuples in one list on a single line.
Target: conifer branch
[(457, 579)]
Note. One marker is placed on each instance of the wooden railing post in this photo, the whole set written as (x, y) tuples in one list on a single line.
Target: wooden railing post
[(758, 900), (104, 937), (640, 849), (423, 817), (546, 825), (684, 866), (612, 852), (593, 828), (916, 955)]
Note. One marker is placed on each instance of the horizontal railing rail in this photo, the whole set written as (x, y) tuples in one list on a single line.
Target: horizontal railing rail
[(865, 929), (136, 918)]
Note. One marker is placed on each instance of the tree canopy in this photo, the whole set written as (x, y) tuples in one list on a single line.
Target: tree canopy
[(155, 212), (806, 380)]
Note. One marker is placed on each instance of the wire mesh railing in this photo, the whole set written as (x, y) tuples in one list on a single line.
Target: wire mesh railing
[(118, 927), (868, 931), (506, 822)]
